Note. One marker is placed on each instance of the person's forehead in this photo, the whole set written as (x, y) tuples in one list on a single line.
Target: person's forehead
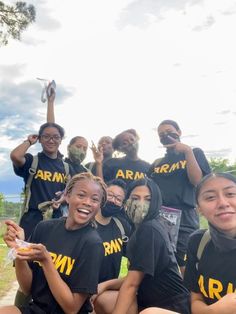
[(116, 189), (51, 131), (166, 127), (81, 141)]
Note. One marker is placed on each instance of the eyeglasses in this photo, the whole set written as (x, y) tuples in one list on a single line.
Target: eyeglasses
[(118, 200), (47, 137)]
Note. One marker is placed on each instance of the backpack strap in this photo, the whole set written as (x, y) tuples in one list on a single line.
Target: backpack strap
[(67, 170), (122, 230), (206, 237), (32, 171), (157, 162)]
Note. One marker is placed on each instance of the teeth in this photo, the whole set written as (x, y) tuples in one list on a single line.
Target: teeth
[(83, 210)]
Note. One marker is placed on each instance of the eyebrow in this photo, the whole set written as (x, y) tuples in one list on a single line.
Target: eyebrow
[(212, 190)]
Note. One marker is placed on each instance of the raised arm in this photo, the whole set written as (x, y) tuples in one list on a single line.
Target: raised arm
[(18, 154), (50, 106)]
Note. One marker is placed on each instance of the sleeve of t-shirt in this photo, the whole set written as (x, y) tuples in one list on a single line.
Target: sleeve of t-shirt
[(191, 272), (24, 170), (202, 161), (146, 251), (85, 277)]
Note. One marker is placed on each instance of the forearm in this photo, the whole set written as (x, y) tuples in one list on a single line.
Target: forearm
[(60, 290), (99, 170), (17, 155), (200, 307), (50, 112), (23, 275), (126, 298), (193, 170)]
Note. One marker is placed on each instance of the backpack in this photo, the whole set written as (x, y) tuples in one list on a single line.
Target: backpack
[(206, 237), (32, 171)]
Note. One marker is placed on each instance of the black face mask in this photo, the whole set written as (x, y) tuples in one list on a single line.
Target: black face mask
[(166, 140), (110, 209)]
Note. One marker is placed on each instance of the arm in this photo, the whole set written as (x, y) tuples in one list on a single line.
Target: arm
[(18, 154), (225, 305), (22, 269), (98, 157), (50, 106), (193, 170), (127, 293), (69, 302)]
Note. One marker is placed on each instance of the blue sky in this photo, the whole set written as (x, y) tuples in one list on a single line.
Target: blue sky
[(123, 64)]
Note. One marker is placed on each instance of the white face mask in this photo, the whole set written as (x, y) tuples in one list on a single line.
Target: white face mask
[(137, 210)]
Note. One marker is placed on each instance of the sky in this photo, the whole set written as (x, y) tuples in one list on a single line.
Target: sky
[(121, 64)]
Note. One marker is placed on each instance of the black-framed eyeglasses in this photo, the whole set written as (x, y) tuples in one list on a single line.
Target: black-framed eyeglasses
[(47, 137), (117, 198)]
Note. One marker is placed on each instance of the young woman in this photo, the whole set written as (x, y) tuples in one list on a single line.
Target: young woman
[(130, 167), (177, 174), (61, 268), (153, 273), (50, 175), (113, 230), (211, 278)]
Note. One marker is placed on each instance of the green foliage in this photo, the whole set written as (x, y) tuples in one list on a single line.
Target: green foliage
[(14, 19), (222, 165)]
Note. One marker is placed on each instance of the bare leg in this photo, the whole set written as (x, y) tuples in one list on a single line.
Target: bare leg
[(156, 310), (9, 310), (105, 303)]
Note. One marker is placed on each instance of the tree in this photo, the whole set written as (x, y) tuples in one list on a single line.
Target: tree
[(222, 165), (14, 19)]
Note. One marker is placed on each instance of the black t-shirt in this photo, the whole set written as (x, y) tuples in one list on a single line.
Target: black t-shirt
[(177, 191), (149, 251), (125, 169), (114, 248), (77, 256), (75, 168), (50, 178), (215, 275)]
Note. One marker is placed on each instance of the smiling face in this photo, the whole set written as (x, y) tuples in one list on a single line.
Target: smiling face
[(217, 202), (84, 201), (50, 140)]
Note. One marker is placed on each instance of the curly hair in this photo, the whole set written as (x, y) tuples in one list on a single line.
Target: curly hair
[(87, 176)]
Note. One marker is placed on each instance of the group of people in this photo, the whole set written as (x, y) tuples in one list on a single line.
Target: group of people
[(114, 208)]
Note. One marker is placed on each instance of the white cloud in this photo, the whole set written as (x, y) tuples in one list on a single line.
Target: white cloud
[(125, 68)]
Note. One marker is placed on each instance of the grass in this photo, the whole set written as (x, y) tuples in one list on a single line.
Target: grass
[(7, 272)]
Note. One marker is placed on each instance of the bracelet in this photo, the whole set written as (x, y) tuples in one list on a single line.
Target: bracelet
[(28, 142)]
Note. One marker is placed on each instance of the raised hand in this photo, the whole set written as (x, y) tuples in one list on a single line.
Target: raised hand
[(13, 232)]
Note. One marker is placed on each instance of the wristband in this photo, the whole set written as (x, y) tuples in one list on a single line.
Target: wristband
[(28, 142)]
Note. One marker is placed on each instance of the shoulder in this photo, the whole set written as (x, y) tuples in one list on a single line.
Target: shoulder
[(195, 238)]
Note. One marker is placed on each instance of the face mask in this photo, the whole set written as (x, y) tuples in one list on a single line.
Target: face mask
[(137, 210), (110, 209), (76, 155), (166, 140)]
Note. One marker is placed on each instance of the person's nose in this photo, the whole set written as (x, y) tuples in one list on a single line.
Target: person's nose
[(223, 201)]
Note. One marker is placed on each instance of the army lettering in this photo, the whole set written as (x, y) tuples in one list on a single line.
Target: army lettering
[(212, 288), (49, 176), (64, 264), (114, 246), (166, 168), (129, 174)]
